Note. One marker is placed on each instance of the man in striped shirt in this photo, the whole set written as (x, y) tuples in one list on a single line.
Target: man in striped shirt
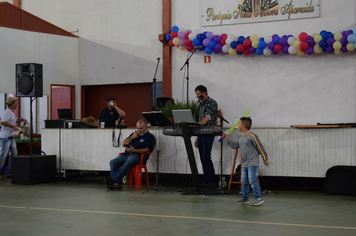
[(250, 149)]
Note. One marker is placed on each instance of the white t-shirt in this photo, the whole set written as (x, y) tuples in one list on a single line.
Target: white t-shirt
[(9, 117)]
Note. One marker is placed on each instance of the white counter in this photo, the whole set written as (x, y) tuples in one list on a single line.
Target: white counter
[(292, 152)]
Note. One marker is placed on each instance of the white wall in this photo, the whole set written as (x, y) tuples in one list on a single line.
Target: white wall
[(119, 44), (58, 54)]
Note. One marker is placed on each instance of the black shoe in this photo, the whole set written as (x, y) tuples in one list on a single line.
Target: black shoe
[(108, 181), (114, 186)]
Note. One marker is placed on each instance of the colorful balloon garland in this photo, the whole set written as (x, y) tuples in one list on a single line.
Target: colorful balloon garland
[(303, 44)]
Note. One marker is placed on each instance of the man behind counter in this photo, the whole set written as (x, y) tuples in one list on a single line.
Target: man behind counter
[(111, 113)]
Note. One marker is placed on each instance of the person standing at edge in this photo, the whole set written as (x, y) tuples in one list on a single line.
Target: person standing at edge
[(208, 115), (111, 113), (8, 126)]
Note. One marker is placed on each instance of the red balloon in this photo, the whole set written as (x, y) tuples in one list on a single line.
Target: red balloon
[(303, 36), (223, 42), (188, 42), (240, 48), (186, 35), (247, 52), (247, 43), (189, 48), (224, 36), (303, 46), (173, 34), (278, 48), (171, 43)]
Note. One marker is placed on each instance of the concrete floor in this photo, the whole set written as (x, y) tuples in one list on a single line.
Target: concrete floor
[(88, 208)]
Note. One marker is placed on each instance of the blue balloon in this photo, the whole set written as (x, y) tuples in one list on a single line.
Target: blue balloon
[(208, 50), (168, 37), (233, 44), (259, 51), (351, 38), (323, 44), (323, 34), (196, 42), (262, 39), (212, 45), (175, 28), (276, 40), (240, 53), (201, 37), (202, 48), (262, 45), (241, 39)]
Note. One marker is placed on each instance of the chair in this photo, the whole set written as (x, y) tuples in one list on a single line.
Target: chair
[(238, 173), (135, 174)]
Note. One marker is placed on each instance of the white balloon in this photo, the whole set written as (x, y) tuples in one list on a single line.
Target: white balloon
[(267, 52), (226, 48), (268, 39), (232, 37), (292, 50), (192, 36), (228, 41), (291, 41)]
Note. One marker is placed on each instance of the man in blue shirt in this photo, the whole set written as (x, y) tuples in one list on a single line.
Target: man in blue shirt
[(110, 114), (140, 141)]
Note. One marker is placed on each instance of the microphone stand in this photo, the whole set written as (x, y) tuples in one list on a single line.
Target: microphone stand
[(154, 86), (187, 63), (221, 188)]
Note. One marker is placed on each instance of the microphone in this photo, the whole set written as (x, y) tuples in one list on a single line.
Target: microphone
[(198, 47), (158, 59)]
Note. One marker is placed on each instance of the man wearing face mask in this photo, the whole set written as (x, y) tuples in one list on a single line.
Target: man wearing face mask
[(110, 114), (208, 115), (140, 141)]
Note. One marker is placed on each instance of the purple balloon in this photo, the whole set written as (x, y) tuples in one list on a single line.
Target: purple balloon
[(283, 41), (188, 31), (252, 49), (285, 49), (311, 41), (343, 40), (181, 34), (274, 52), (271, 45), (343, 48), (310, 50), (182, 42), (350, 32), (330, 49), (330, 41), (343, 33), (217, 38), (274, 36), (206, 42), (218, 48), (290, 36), (209, 35)]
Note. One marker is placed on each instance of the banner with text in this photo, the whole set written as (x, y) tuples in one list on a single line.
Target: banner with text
[(225, 12)]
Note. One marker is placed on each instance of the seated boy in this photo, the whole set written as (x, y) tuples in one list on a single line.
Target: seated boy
[(250, 148)]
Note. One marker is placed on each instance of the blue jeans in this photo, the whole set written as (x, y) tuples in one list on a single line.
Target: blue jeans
[(249, 176), (205, 143), (121, 165), (7, 145)]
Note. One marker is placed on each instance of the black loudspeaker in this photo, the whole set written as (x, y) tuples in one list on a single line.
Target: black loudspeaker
[(341, 180), (29, 81), (35, 169), (161, 102)]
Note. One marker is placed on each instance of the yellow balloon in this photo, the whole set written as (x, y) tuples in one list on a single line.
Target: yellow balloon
[(317, 49), (176, 41), (337, 36), (300, 53), (337, 45), (317, 38), (253, 37), (338, 52), (232, 51), (350, 47), (314, 34), (296, 44), (255, 43), (181, 48)]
